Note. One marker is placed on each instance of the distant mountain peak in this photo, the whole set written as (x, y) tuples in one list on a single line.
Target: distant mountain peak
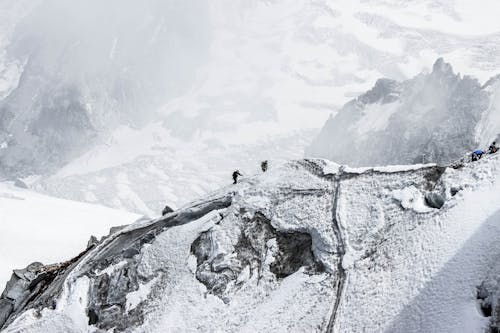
[(417, 128), (442, 67)]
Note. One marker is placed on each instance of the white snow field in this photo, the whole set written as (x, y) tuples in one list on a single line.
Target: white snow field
[(381, 262), (36, 227)]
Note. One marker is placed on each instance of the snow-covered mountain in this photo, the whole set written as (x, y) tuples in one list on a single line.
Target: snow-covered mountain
[(435, 117), (35, 226), (310, 246), (72, 73), (160, 101)]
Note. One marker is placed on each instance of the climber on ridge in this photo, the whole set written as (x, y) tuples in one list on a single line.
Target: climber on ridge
[(493, 148), (263, 166), (236, 173), (477, 154)]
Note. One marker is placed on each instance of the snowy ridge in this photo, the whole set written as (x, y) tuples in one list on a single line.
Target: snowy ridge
[(307, 246)]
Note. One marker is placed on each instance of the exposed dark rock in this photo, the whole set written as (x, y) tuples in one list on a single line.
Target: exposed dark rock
[(108, 298), (112, 230), (108, 292), (294, 252), (6, 308), (488, 297), (129, 253), (92, 242), (433, 176), (20, 289), (107, 295), (36, 286), (434, 200), (93, 317), (167, 210), (455, 190), (216, 271)]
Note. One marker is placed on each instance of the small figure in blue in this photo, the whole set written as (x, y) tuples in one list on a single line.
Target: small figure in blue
[(477, 154)]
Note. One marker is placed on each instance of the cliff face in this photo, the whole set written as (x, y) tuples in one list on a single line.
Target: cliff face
[(310, 246)]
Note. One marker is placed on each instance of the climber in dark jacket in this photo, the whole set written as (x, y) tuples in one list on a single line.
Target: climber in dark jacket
[(263, 166), (235, 176), (493, 148), (477, 154)]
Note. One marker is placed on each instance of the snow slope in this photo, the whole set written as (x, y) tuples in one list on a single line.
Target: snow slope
[(38, 227), (308, 246)]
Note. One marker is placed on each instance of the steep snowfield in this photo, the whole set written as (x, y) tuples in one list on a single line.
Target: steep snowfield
[(422, 275), (307, 246), (38, 227)]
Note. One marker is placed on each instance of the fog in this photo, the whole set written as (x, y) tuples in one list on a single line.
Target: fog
[(125, 56)]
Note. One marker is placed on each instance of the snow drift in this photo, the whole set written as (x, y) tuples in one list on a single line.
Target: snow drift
[(435, 117), (310, 246)]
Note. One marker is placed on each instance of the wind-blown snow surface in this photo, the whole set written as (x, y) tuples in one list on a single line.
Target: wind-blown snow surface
[(435, 117), (38, 227), (372, 259)]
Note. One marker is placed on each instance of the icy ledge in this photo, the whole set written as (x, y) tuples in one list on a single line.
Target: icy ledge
[(307, 247)]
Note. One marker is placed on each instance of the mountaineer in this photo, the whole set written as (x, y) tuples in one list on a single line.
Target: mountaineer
[(477, 154), (263, 166), (493, 148), (235, 176)]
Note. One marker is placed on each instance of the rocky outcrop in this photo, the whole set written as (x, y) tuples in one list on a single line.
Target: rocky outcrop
[(38, 286), (488, 298), (217, 271), (166, 210)]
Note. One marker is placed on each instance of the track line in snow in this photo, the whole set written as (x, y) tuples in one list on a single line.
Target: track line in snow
[(340, 285)]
